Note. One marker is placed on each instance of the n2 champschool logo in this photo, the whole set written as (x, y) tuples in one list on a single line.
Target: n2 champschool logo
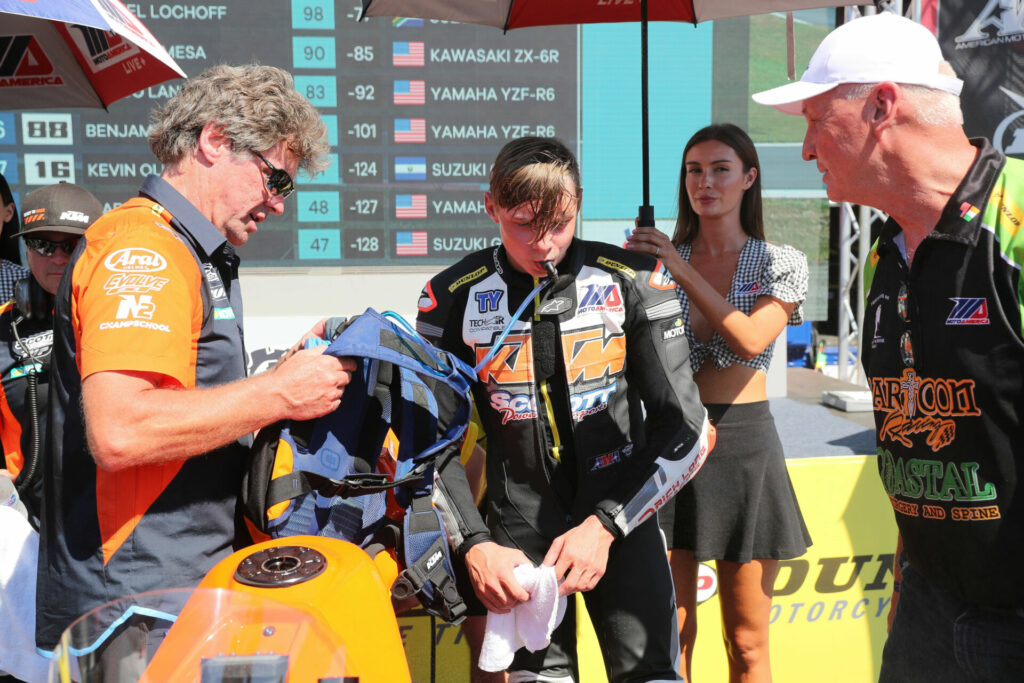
[(23, 63), (968, 311)]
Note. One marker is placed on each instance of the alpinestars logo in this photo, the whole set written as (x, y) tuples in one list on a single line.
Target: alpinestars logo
[(968, 311), (1006, 17), (24, 64)]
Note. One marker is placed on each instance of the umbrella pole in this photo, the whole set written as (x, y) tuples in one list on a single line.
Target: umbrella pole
[(646, 211)]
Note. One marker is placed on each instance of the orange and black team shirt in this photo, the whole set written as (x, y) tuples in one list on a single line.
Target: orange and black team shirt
[(153, 288), (17, 362), (943, 348)]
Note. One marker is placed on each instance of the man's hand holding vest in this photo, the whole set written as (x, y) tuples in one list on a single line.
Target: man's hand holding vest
[(311, 383)]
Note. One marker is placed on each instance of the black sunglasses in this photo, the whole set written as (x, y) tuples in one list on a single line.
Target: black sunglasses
[(48, 247), (279, 183)]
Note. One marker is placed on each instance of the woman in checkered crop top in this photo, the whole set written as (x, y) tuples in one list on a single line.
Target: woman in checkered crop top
[(738, 293)]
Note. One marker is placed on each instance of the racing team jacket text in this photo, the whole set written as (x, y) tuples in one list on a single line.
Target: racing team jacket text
[(560, 402)]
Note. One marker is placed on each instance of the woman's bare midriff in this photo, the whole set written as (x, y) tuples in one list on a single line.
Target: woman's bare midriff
[(732, 384)]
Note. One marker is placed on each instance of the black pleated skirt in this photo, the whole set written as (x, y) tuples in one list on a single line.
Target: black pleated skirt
[(741, 505)]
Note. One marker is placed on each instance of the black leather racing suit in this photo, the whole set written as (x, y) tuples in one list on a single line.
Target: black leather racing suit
[(562, 404)]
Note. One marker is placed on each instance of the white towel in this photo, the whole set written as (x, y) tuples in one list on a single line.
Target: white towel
[(528, 625), (19, 545)]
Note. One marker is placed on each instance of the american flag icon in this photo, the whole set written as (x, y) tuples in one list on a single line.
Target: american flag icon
[(410, 130), (411, 243), (411, 206), (410, 92), (407, 53)]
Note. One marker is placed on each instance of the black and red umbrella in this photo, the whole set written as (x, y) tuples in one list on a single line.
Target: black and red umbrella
[(511, 14), (76, 53)]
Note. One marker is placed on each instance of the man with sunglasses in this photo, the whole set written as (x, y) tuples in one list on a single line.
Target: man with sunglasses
[(152, 412), (943, 338), (55, 217)]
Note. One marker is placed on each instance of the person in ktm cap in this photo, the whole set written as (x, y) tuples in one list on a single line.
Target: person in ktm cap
[(943, 340), (54, 219)]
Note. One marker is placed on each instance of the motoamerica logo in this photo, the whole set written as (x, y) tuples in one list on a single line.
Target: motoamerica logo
[(922, 405), (1002, 21)]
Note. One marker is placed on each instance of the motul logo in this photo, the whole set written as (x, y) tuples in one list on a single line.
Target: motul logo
[(23, 63)]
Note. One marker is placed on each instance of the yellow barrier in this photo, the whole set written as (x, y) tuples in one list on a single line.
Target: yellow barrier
[(830, 607)]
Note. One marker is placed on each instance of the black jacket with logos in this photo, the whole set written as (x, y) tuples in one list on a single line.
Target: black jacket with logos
[(563, 401)]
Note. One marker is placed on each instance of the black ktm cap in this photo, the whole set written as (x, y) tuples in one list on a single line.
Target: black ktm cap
[(63, 207)]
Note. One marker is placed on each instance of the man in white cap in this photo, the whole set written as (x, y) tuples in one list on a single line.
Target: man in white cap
[(942, 341)]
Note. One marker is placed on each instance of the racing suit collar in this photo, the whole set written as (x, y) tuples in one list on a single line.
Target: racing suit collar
[(567, 268)]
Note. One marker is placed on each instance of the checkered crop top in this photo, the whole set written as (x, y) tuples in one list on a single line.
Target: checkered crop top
[(762, 270)]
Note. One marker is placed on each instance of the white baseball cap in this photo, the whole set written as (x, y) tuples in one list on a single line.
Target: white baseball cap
[(871, 49)]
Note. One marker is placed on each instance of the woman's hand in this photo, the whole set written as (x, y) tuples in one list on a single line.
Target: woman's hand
[(651, 241)]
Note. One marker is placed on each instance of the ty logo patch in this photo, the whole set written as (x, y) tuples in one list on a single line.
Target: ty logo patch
[(487, 302), (968, 311)]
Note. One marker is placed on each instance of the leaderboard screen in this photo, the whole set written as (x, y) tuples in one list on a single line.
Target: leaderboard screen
[(416, 111)]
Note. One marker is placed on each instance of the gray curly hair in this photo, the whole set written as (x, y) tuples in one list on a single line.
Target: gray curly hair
[(256, 105)]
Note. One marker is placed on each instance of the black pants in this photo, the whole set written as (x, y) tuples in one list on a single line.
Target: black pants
[(633, 611)]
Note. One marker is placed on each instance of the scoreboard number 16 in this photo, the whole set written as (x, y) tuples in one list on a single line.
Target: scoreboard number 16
[(47, 169)]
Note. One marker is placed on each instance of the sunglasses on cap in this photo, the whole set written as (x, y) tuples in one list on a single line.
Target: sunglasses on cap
[(45, 247), (279, 183)]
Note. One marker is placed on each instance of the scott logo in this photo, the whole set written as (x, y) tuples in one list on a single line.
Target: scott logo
[(135, 260), (968, 311)]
